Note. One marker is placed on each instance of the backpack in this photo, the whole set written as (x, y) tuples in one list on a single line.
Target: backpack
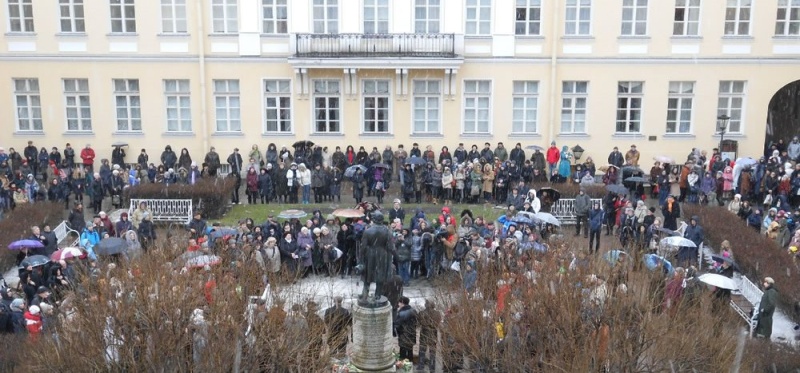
[(461, 249)]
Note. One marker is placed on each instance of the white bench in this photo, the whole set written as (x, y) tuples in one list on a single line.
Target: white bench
[(63, 232), (165, 210), (564, 210)]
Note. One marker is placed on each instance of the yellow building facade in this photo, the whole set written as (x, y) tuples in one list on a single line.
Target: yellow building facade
[(233, 73)]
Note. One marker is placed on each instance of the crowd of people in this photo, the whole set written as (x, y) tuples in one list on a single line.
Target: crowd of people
[(462, 245)]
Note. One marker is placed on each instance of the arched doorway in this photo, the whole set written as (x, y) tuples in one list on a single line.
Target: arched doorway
[(783, 116)]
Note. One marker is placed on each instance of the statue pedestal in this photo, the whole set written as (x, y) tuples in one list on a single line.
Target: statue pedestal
[(372, 335)]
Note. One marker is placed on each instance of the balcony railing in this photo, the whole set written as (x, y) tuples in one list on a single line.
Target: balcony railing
[(375, 45)]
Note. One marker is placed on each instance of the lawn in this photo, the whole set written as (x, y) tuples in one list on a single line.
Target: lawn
[(259, 213)]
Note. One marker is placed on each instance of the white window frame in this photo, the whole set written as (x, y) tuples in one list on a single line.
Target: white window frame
[(22, 22), (129, 91), (369, 115), (178, 105), (322, 21), (29, 111), (528, 18), (67, 15), (225, 16), (524, 118), (574, 101), (477, 104), (478, 17), (174, 19), (126, 22), (576, 21), (689, 24), (738, 17), (634, 16), (282, 113), (329, 94), (227, 100), (376, 16), (77, 105), (729, 92), (785, 23), (428, 95), (679, 103), (429, 24), (632, 92), (274, 17)]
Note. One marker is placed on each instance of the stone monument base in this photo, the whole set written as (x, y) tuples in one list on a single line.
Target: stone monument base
[(372, 335)]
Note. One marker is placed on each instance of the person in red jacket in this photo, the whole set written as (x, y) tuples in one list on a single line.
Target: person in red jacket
[(33, 321), (87, 155), (553, 156)]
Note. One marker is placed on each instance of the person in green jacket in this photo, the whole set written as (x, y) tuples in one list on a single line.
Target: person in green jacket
[(766, 308)]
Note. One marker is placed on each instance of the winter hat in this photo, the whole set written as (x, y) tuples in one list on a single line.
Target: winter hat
[(317, 231), (116, 167), (194, 164), (17, 304), (34, 310), (102, 214), (30, 176), (115, 172)]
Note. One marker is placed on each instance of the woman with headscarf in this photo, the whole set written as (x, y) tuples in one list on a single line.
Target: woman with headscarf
[(488, 182), (305, 248), (185, 160), (564, 167), (671, 211)]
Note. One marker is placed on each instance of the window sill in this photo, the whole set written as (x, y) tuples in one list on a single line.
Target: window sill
[(71, 35), (174, 35), (678, 136), (737, 37), (29, 133), (622, 135), (430, 135), (129, 133), (575, 135), (525, 135), (223, 35), (633, 37), (79, 133), (530, 37), (327, 134), (276, 36), (178, 134), (577, 38), (277, 134), (122, 35), (786, 37), (686, 38), (729, 135), (476, 135), (14, 34), (227, 134), (478, 37), (378, 135)]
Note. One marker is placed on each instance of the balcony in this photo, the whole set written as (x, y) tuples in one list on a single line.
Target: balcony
[(367, 46)]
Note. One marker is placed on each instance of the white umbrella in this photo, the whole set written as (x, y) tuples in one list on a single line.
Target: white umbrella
[(718, 281), (677, 241), (548, 218)]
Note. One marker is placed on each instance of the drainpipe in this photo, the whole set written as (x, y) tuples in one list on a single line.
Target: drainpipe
[(201, 60), (554, 23)]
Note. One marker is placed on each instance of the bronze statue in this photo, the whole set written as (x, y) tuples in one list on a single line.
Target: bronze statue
[(375, 256)]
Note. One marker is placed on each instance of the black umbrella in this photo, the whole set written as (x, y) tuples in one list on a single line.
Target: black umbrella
[(534, 147), (350, 171), (636, 179), (111, 246), (34, 261), (303, 144), (554, 194), (381, 165), (668, 231), (724, 259), (415, 161), (616, 188)]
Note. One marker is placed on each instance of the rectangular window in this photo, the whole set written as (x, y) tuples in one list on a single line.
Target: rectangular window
[(578, 18), (629, 107), (224, 16), (71, 16), (274, 16), (427, 16), (28, 105), (278, 106), (737, 17), (327, 115), (179, 105), (478, 17), (123, 16), (173, 16), (574, 97), (76, 101), (376, 16), (788, 20), (427, 106), (731, 103), (20, 15), (634, 18), (687, 18), (528, 17), (679, 107), (477, 106), (128, 105), (525, 106), (326, 16), (375, 94), (227, 105)]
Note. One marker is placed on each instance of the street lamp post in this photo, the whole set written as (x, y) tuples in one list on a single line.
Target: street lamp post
[(722, 127)]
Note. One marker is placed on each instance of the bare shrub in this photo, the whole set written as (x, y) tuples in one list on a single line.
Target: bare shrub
[(212, 195)]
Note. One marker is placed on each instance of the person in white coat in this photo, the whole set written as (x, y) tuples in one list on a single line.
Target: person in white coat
[(536, 204), (304, 176)]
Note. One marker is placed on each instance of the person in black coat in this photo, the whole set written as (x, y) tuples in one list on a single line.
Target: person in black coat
[(288, 249), (118, 156), (76, 220), (146, 231), (168, 157), (52, 241), (98, 191), (338, 320), (69, 155), (265, 186), (671, 211), (405, 323)]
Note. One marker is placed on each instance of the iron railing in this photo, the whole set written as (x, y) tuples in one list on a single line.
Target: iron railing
[(375, 45)]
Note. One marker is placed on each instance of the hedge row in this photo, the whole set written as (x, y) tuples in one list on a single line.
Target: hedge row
[(16, 225), (211, 195)]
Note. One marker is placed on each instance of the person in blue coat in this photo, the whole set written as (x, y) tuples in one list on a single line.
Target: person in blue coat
[(90, 238), (596, 218)]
